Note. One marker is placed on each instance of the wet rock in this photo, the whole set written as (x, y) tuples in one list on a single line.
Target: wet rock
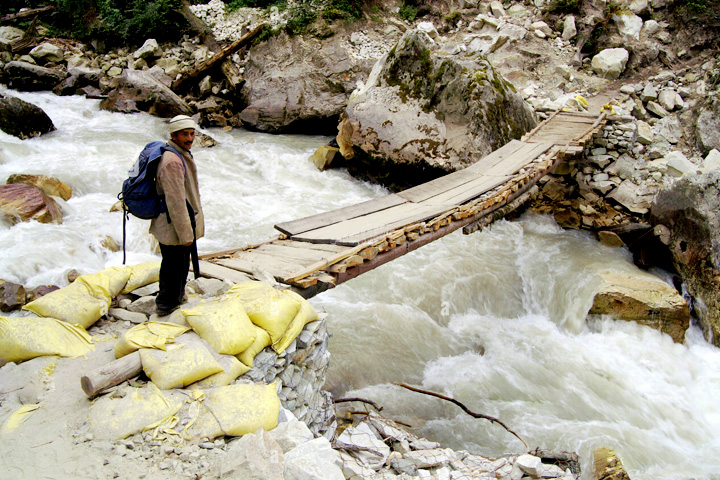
[(140, 91), (23, 119), (423, 113), (607, 465), (12, 296), (326, 157), (22, 202), (690, 208), (610, 239), (50, 185), (40, 291), (643, 298), (610, 63), (26, 76), (47, 53)]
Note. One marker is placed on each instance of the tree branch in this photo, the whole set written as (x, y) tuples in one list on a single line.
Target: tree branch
[(465, 409), (357, 399)]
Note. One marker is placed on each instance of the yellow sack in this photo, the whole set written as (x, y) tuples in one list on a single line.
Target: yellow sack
[(232, 369), (24, 338), (73, 304), (142, 274), (106, 284), (222, 323), (262, 340), (236, 410), (148, 335), (305, 315), (114, 418), (268, 308), (184, 362), (17, 418)]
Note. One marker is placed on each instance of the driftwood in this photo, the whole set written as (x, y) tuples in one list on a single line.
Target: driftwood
[(25, 14), (28, 40), (217, 59), (357, 399), (465, 409), (199, 27), (114, 373)]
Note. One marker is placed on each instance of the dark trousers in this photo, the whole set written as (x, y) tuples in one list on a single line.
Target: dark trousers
[(173, 275)]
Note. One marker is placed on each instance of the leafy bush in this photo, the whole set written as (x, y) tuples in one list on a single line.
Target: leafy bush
[(408, 12), (236, 4), (118, 21), (302, 14), (564, 7), (343, 9)]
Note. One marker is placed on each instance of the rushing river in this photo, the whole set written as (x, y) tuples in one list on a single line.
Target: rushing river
[(495, 319)]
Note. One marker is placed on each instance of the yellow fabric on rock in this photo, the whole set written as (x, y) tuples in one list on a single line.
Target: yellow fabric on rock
[(222, 323), (148, 335), (24, 338)]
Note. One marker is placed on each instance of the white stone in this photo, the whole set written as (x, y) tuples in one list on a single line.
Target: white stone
[(254, 456), (542, 26), (668, 128), (149, 49), (315, 459), (374, 452), (47, 53), (610, 63), (569, 28), (645, 133), (529, 464), (666, 99), (353, 468), (655, 108), (497, 9), (126, 316), (678, 164), (430, 458), (429, 29), (628, 24), (649, 93), (627, 89), (639, 7), (711, 162), (291, 433)]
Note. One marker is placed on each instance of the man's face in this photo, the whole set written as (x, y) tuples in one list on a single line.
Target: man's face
[(184, 138)]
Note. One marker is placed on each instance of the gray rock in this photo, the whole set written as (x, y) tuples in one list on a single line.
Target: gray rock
[(144, 305), (23, 119), (291, 433), (47, 53), (667, 98), (711, 162), (140, 91), (649, 93), (150, 49), (254, 456), (645, 133), (569, 28), (628, 24), (26, 76), (362, 443), (668, 128), (431, 458), (631, 196), (610, 63), (690, 208), (656, 109), (423, 113), (707, 126)]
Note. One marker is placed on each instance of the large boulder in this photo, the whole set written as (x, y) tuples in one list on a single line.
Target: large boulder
[(643, 298), (23, 119), (49, 185), (26, 76), (21, 202), (690, 209), (424, 112), (707, 126), (47, 53), (610, 63), (297, 84), (139, 91)]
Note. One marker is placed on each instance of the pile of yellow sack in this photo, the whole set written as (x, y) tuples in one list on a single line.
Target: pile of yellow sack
[(65, 314)]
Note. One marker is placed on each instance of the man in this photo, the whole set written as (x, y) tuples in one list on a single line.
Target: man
[(178, 182)]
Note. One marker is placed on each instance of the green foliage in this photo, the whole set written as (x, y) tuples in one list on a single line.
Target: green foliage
[(343, 9), (117, 21), (302, 14), (408, 12), (236, 4)]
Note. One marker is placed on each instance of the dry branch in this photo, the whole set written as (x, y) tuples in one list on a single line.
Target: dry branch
[(25, 14), (357, 399), (465, 409)]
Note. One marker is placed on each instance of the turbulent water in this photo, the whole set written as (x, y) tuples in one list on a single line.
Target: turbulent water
[(495, 319)]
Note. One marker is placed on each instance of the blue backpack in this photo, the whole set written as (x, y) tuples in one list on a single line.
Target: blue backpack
[(139, 194)]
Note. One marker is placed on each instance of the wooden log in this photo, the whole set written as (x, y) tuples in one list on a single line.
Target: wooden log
[(199, 27), (217, 58), (27, 41), (25, 14), (114, 373)]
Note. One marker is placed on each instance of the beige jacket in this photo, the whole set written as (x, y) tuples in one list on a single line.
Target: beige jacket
[(178, 184)]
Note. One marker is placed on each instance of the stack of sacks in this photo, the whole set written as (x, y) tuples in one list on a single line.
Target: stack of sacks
[(66, 313)]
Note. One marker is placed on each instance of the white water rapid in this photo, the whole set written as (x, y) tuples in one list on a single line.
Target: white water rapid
[(495, 319)]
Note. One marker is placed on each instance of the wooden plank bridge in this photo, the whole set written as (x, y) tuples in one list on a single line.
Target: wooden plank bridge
[(319, 252)]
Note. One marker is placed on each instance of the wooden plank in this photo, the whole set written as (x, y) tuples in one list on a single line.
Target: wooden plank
[(313, 222), (310, 246), (382, 221), (521, 159), (303, 255), (209, 269), (444, 183), (247, 261), (468, 191)]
